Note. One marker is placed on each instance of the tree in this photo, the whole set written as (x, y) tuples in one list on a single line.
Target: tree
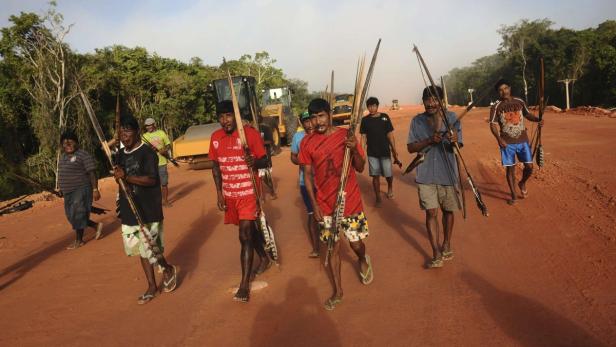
[(519, 38)]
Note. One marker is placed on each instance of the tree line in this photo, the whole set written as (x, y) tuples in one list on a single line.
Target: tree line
[(587, 56), (39, 79)]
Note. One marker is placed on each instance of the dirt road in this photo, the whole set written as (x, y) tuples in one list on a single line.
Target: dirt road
[(541, 273)]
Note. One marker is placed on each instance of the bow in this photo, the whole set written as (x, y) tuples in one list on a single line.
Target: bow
[(538, 147), (262, 224), (153, 252)]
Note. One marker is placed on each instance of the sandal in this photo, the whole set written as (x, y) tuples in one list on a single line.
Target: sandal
[(170, 284), (390, 195), (368, 277), (331, 303), (313, 254), (447, 255), (145, 298), (435, 263), (99, 231)]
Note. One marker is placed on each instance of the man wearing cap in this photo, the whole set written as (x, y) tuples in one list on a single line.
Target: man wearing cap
[(159, 141), (305, 120), (508, 114), (235, 191), (137, 166)]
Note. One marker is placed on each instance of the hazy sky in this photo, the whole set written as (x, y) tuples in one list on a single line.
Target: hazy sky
[(310, 38)]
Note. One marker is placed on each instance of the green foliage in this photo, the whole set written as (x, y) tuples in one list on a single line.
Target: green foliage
[(172, 92), (589, 56)]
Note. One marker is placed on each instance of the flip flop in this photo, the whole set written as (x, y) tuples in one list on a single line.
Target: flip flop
[(313, 255), (171, 284), (435, 263), (368, 277), (390, 195), (331, 304), (145, 298), (447, 255), (99, 231)]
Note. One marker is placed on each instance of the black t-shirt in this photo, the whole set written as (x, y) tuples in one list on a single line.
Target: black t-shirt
[(142, 161), (376, 129)]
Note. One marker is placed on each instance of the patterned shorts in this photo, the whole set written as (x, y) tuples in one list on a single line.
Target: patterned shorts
[(355, 228), (134, 243)]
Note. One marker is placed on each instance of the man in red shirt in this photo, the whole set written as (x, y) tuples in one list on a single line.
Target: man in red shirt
[(236, 194), (322, 155)]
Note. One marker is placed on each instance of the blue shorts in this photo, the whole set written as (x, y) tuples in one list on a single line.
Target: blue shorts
[(306, 199), (379, 166), (513, 150)]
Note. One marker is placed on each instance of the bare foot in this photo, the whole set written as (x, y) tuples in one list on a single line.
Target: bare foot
[(242, 295), (523, 190)]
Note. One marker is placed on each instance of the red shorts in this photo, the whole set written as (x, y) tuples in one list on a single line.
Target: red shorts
[(240, 209)]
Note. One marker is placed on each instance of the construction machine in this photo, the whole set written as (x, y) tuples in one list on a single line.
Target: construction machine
[(193, 146), (341, 109), (277, 110), (395, 105)]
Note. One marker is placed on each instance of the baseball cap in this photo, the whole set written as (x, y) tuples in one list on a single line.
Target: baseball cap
[(305, 115)]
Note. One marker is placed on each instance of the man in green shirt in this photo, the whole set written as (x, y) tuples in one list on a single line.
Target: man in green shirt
[(159, 141)]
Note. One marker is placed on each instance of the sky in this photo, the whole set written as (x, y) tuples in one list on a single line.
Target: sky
[(309, 39)]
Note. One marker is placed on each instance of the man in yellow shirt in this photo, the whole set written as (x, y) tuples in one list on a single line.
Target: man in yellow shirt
[(159, 141)]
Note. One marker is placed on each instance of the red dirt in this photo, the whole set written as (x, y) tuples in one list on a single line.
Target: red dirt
[(541, 273)]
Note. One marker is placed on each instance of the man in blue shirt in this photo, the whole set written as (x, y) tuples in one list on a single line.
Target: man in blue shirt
[(437, 176), (295, 148)]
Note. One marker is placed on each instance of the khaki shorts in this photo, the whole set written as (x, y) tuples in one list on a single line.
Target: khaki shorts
[(355, 228), (433, 196), (133, 242)]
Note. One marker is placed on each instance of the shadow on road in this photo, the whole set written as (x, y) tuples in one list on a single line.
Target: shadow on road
[(526, 320), (178, 193), (17, 270), (300, 320), (398, 220), (186, 252)]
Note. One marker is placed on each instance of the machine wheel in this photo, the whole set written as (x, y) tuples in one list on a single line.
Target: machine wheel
[(291, 123), (201, 165), (272, 123), (276, 136)]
